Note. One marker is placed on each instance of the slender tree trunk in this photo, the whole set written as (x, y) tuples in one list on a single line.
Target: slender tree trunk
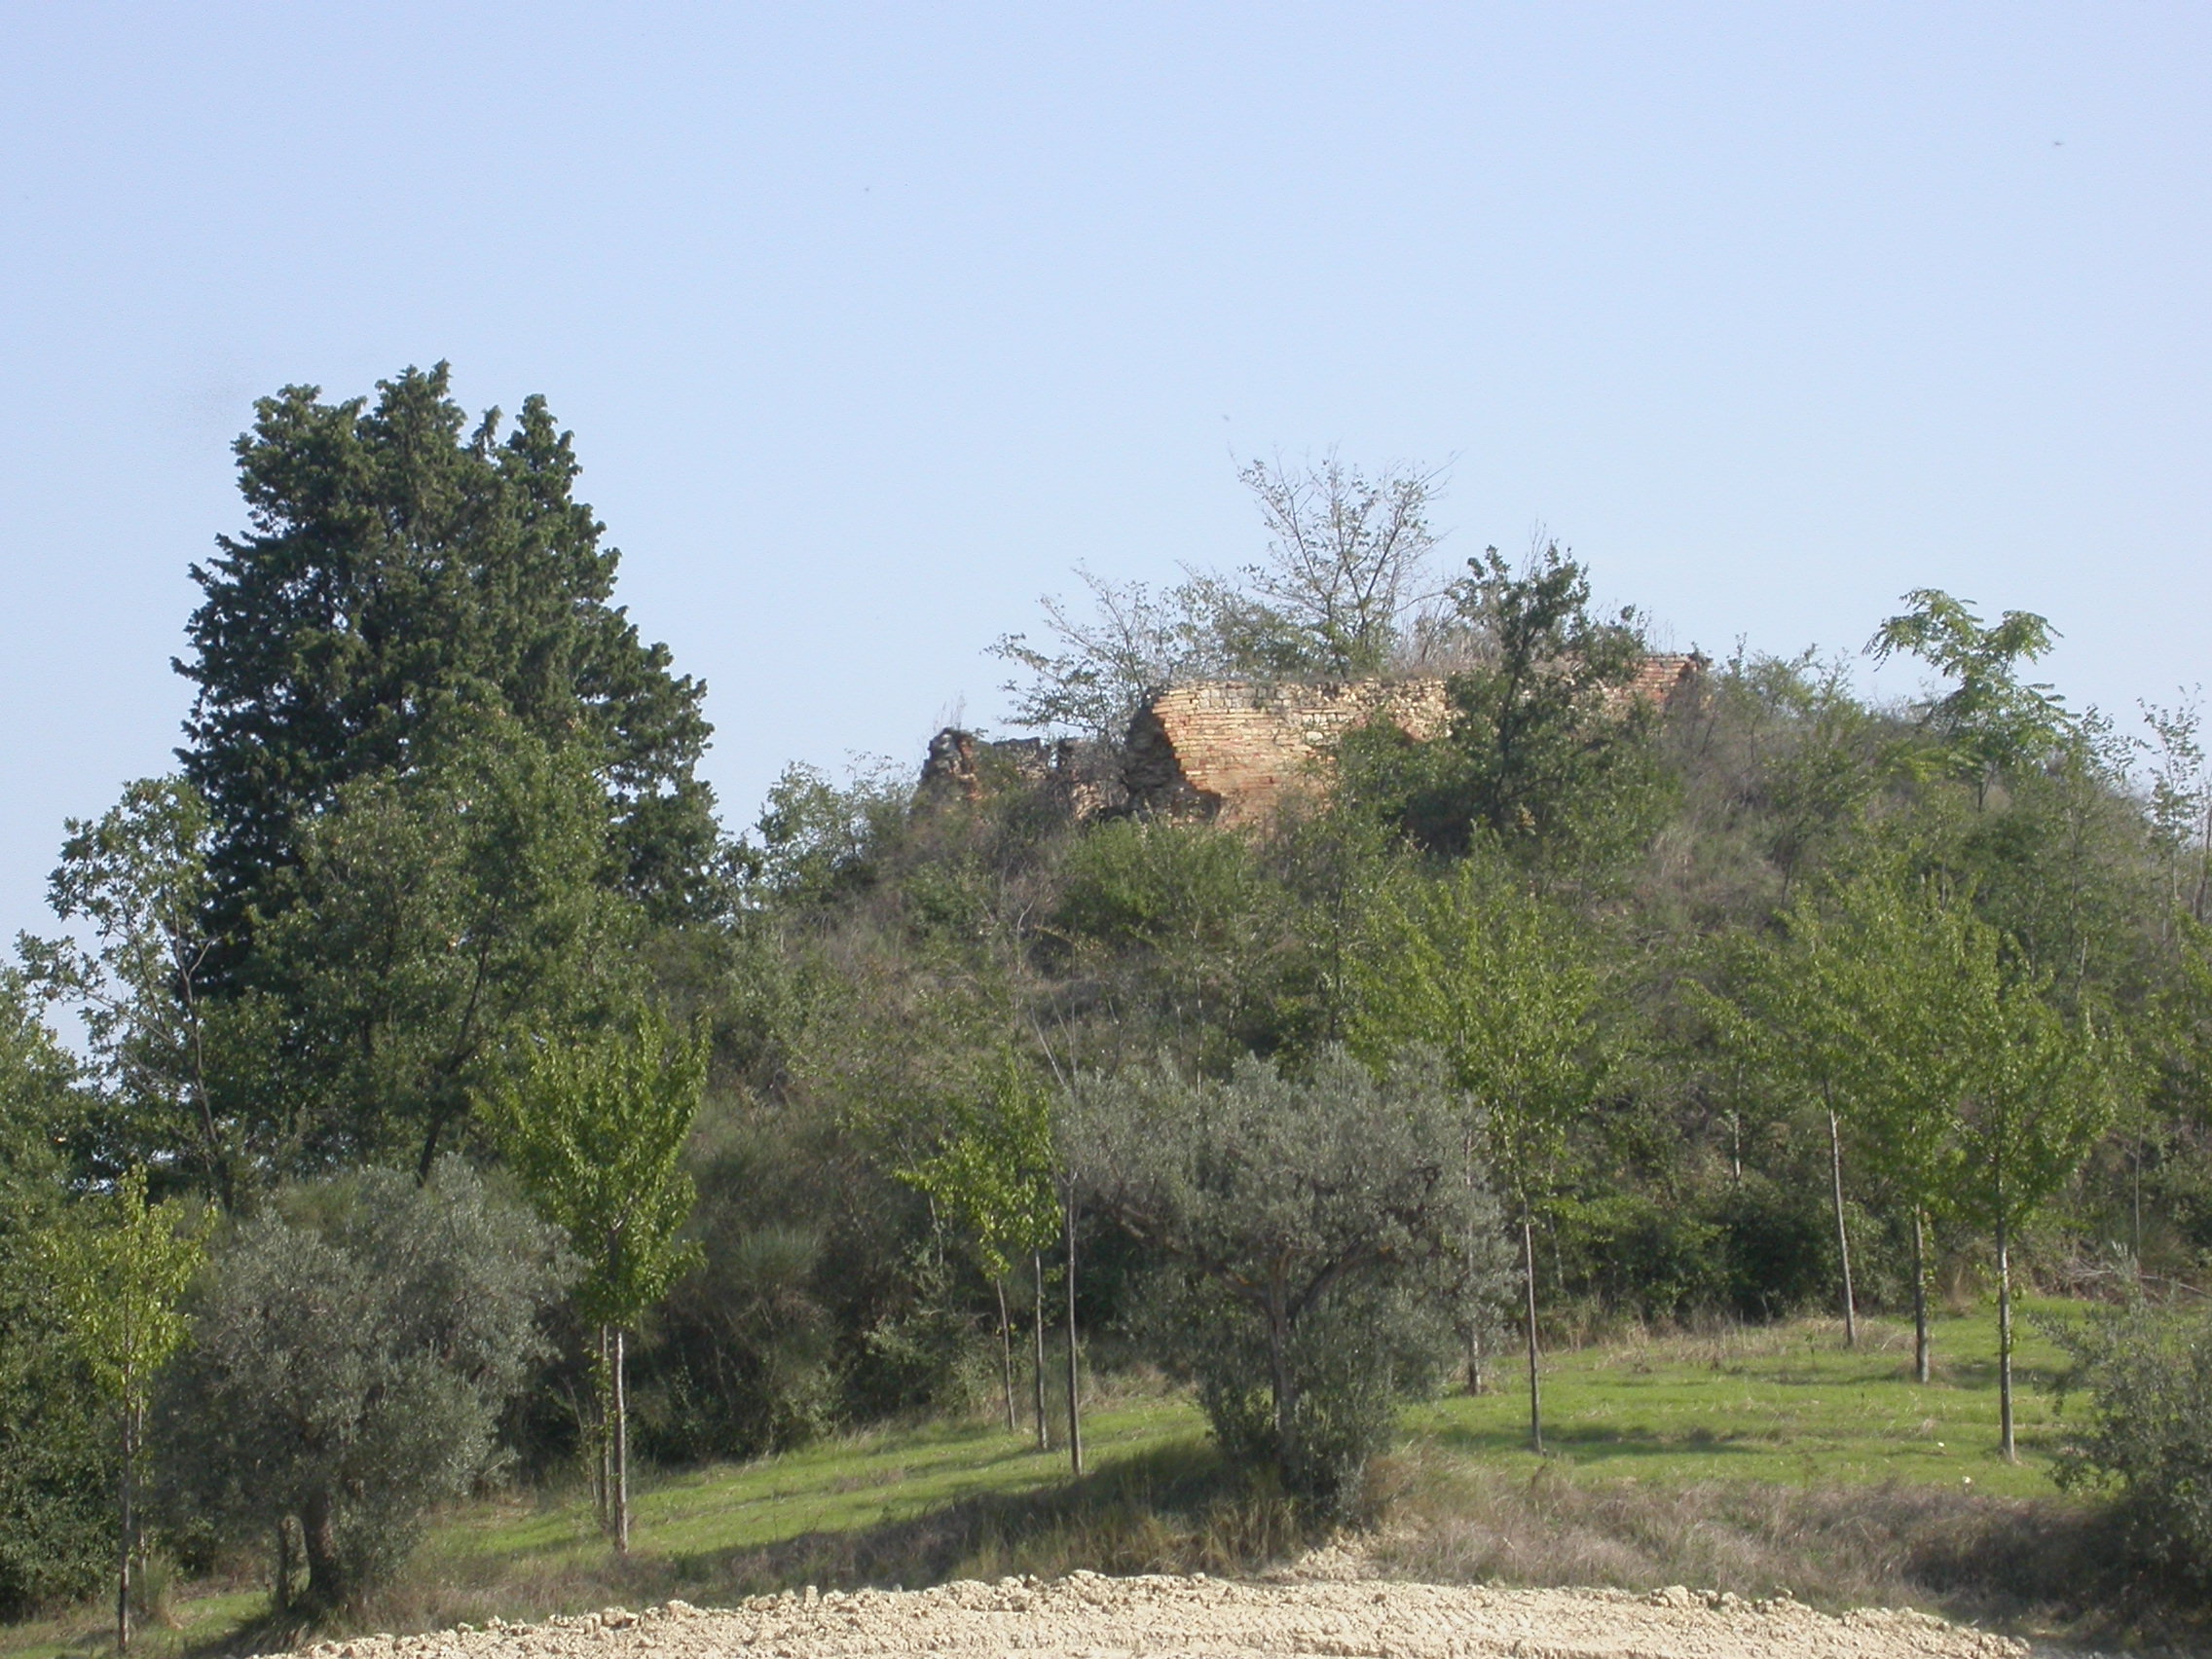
[(1006, 1354), (1536, 1379), (2006, 1446), (622, 1451), (126, 1495), (1842, 1230), (1037, 1338), (1470, 1305), (1075, 1402), (1922, 1368), (602, 1433)]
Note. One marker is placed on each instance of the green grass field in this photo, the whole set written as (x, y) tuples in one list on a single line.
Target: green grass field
[(1784, 1403), (1784, 1407)]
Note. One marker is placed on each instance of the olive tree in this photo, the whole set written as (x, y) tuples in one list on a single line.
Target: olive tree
[(1306, 1224), (349, 1363)]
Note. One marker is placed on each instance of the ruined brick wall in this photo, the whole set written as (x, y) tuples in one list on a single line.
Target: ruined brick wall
[(1233, 751), (1236, 752), (1219, 748)]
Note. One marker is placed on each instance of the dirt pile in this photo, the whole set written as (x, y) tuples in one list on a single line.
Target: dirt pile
[(1087, 1616)]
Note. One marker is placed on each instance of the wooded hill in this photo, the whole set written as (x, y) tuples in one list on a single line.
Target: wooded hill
[(1580, 1007)]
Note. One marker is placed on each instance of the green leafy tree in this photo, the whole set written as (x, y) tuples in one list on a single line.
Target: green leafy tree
[(994, 1175), (1183, 918), (1306, 1220), (120, 1284), (403, 570), (1546, 752), (1504, 987), (1797, 1025), (1856, 1011), (437, 917), (596, 1131), (137, 880), (358, 1342), (1819, 783), (57, 1459), (2041, 1091), (1990, 721), (2180, 806), (1901, 944)]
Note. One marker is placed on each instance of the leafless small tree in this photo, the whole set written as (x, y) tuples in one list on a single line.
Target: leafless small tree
[(1348, 554), (1338, 597)]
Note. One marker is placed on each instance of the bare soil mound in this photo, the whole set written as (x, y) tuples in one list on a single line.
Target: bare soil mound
[(1088, 1617)]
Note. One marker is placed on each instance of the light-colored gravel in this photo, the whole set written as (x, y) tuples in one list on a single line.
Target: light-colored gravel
[(1087, 1616)]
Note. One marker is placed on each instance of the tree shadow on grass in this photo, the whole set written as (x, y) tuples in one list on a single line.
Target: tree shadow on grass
[(1594, 1442), (1175, 1508), (1172, 1508)]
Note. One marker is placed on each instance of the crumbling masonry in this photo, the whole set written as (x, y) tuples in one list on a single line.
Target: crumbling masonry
[(1220, 749)]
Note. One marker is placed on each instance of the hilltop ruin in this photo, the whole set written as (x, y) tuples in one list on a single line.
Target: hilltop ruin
[(1221, 749)]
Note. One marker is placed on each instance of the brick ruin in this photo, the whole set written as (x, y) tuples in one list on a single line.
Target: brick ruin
[(1220, 749)]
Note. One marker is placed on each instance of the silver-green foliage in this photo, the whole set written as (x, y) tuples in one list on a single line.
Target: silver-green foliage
[(349, 1361), (2147, 1441), (1307, 1224)]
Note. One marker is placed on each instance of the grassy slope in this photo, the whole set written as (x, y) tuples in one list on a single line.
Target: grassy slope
[(1786, 1406)]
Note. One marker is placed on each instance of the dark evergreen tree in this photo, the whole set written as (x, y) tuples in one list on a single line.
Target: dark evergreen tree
[(403, 576)]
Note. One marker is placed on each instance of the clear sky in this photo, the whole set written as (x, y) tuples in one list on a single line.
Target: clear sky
[(871, 321)]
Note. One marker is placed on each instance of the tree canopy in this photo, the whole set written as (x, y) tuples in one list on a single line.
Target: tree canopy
[(404, 576)]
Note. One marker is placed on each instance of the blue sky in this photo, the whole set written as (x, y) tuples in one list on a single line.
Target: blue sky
[(871, 321)]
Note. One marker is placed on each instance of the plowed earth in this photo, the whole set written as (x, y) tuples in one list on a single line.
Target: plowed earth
[(1087, 1616)]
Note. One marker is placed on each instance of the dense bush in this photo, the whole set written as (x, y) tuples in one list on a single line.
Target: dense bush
[(2147, 1371), (349, 1363), (1309, 1227), (58, 1451), (58, 1460), (1749, 1251)]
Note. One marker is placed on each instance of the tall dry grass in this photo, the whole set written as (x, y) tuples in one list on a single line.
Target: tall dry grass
[(2040, 1565)]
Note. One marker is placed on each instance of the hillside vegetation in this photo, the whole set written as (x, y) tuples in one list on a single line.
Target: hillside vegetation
[(480, 1125)]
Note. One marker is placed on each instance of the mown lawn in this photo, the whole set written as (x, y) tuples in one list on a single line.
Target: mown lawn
[(1786, 1405)]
